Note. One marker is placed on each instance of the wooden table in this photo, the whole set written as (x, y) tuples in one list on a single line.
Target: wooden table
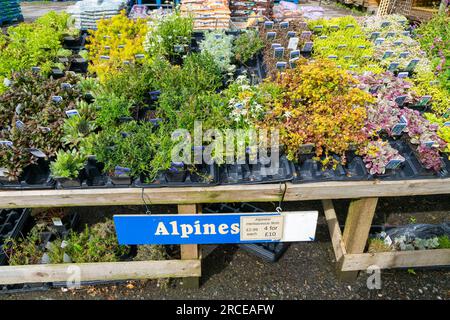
[(348, 246)]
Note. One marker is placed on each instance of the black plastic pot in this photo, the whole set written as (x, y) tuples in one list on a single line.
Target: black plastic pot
[(57, 73), (79, 65), (120, 180), (36, 176), (12, 223), (176, 173), (66, 183)]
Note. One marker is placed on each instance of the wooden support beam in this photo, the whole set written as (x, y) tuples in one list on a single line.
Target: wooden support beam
[(218, 194), (100, 271), (397, 259), (357, 227), (190, 251), (335, 230)]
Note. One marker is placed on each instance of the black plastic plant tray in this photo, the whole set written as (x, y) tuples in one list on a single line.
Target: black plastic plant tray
[(11, 225), (255, 173), (242, 207), (411, 168), (206, 175), (270, 252), (309, 170), (36, 176), (24, 288)]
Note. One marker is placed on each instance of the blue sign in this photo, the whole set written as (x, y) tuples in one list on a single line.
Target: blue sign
[(182, 229)]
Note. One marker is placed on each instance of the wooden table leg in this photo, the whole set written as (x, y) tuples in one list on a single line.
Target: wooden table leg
[(190, 251), (356, 230)]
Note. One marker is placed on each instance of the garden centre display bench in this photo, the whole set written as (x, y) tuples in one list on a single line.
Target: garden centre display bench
[(348, 246)]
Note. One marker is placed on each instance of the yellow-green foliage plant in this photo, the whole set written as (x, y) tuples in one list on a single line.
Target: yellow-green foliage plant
[(443, 131), (427, 84), (116, 41), (30, 45), (321, 105), (343, 40)]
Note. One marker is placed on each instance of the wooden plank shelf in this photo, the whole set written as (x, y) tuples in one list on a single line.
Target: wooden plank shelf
[(104, 271), (219, 194)]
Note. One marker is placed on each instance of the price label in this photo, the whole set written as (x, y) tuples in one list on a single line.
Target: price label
[(262, 228)]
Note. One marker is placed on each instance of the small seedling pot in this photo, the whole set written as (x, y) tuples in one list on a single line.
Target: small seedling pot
[(176, 173), (64, 183)]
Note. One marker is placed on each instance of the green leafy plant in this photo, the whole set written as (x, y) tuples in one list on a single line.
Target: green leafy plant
[(220, 46), (34, 44), (169, 35), (67, 164), (135, 146), (247, 45), (24, 251), (444, 242)]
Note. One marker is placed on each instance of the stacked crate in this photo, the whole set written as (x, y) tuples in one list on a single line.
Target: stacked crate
[(208, 14), (86, 13), (10, 11), (243, 9)]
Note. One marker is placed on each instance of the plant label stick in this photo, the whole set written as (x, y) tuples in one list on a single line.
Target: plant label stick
[(291, 34), (447, 124), (406, 33), (390, 34), (400, 100), (66, 86), (306, 35), (403, 75), (424, 100), (387, 54), (293, 62), (6, 143), (275, 45), (323, 37), (57, 99), (140, 56), (385, 24), (349, 26), (72, 113), (104, 57), (294, 54), (37, 153), (334, 27), (404, 54), (412, 64), (332, 56), (35, 69), (307, 47), (20, 125), (379, 41), (278, 52), (293, 43), (284, 24), (271, 35), (393, 66), (318, 28), (356, 36), (394, 164), (281, 65), (268, 24), (361, 47), (374, 35), (398, 43)]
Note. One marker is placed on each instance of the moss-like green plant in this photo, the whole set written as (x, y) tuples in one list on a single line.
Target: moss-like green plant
[(247, 45), (444, 242), (220, 46), (26, 250), (67, 164)]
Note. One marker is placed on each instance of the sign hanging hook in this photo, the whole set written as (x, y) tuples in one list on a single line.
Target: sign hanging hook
[(147, 209), (283, 193)]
